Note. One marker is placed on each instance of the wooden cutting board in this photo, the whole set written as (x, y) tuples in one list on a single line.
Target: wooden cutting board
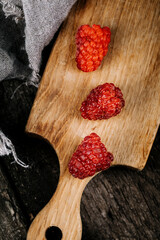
[(132, 65)]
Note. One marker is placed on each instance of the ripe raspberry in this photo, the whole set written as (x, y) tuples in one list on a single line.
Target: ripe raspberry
[(103, 102), (92, 46), (90, 157)]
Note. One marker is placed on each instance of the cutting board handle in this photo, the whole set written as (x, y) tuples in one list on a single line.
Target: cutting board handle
[(63, 211)]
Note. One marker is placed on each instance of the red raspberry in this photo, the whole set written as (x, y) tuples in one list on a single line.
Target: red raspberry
[(90, 157), (103, 102), (92, 46)]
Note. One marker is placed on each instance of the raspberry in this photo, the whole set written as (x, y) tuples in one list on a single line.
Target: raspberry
[(90, 157), (92, 46), (103, 102)]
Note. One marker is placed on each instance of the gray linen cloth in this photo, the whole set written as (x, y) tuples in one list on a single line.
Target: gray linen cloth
[(35, 23)]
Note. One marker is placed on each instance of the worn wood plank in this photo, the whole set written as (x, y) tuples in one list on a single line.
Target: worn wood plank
[(124, 204), (132, 64), (13, 222)]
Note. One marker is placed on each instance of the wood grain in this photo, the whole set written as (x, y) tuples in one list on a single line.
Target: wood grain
[(132, 65), (11, 215)]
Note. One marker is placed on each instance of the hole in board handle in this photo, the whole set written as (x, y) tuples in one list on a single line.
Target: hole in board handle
[(53, 233)]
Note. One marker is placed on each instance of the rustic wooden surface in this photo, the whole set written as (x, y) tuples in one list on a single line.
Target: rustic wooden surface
[(133, 65), (118, 204)]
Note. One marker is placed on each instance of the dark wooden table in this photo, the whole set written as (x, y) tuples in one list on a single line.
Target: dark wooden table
[(119, 204)]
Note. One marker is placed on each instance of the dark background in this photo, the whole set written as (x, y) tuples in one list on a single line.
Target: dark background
[(120, 203)]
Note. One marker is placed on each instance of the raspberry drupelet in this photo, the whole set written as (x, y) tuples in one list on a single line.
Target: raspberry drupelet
[(92, 45), (90, 157), (103, 102)]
